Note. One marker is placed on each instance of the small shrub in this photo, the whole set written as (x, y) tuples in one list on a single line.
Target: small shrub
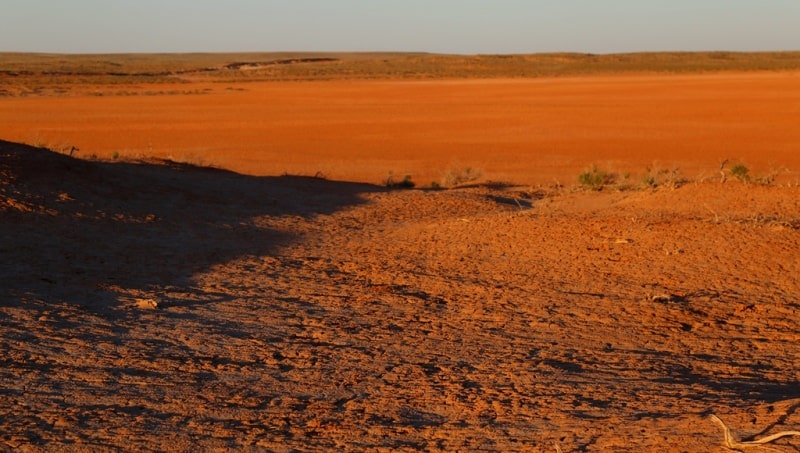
[(663, 177), (405, 183), (740, 172), (595, 179)]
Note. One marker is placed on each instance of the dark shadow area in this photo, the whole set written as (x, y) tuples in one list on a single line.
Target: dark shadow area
[(82, 243), (70, 228), (701, 382), (739, 379), (521, 203)]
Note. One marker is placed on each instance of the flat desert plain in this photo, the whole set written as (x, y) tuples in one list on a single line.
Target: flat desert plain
[(518, 130), (223, 268)]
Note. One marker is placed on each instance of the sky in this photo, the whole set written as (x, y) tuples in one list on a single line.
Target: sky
[(438, 26)]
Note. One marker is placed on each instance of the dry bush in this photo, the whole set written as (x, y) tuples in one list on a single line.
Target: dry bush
[(405, 183), (457, 176), (671, 178)]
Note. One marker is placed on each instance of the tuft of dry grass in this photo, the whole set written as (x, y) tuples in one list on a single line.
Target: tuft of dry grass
[(457, 176), (671, 178)]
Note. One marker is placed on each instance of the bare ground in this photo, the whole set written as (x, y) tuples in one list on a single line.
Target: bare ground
[(153, 306)]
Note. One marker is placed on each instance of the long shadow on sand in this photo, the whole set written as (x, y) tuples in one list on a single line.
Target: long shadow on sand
[(71, 228), (79, 240)]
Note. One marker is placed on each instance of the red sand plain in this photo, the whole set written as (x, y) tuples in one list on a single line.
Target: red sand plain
[(525, 131), (157, 306)]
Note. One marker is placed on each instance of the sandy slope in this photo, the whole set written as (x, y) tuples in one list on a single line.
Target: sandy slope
[(162, 307)]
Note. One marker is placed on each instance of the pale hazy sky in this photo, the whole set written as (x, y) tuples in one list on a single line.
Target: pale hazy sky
[(442, 26)]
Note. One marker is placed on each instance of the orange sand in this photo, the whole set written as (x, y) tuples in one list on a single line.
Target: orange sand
[(520, 130), (152, 306)]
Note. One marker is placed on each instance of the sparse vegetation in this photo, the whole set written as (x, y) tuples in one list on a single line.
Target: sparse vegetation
[(662, 177), (769, 178), (740, 172), (460, 175), (654, 177), (38, 142), (672, 178), (405, 183), (595, 179)]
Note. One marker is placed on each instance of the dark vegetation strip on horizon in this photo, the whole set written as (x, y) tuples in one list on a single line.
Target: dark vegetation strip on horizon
[(87, 69)]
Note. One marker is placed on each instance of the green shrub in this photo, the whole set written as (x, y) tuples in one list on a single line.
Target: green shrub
[(740, 172), (595, 179)]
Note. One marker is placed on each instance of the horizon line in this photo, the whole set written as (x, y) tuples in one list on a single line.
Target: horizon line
[(403, 52)]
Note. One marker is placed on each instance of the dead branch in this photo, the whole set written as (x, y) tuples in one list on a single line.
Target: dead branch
[(735, 445)]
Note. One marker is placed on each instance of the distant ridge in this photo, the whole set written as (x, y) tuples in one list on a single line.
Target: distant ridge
[(52, 69)]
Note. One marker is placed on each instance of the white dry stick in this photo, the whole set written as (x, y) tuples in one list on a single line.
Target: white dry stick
[(735, 445), (716, 217)]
